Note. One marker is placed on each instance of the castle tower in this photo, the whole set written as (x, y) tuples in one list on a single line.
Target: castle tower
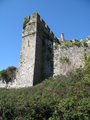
[(36, 59)]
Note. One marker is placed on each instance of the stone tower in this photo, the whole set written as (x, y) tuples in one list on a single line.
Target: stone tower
[(43, 55), (36, 59)]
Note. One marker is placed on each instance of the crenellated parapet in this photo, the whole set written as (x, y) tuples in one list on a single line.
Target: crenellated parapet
[(42, 57), (43, 25), (37, 54), (31, 24)]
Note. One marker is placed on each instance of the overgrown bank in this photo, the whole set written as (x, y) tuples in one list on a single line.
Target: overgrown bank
[(59, 98)]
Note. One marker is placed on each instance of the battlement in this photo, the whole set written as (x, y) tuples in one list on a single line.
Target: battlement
[(35, 18), (41, 57), (45, 27)]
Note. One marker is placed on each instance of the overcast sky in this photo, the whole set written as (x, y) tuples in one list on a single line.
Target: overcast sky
[(71, 17)]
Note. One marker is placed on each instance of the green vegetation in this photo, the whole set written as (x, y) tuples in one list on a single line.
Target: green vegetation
[(86, 78), (84, 42), (77, 43), (56, 45), (58, 98), (26, 20), (67, 44), (64, 59), (8, 75)]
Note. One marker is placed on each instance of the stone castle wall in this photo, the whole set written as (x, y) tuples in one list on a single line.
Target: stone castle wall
[(39, 58), (68, 59)]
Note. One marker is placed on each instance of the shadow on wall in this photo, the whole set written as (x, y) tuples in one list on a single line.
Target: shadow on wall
[(44, 57)]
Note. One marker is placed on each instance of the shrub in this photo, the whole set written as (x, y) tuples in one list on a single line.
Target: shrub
[(77, 43), (67, 44), (58, 98), (56, 45), (84, 42), (8, 75), (65, 59)]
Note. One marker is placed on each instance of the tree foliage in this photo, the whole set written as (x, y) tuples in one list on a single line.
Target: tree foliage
[(8, 75)]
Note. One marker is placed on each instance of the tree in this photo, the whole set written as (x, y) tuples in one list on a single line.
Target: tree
[(8, 75)]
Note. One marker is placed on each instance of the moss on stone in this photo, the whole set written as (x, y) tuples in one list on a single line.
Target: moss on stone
[(64, 59)]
